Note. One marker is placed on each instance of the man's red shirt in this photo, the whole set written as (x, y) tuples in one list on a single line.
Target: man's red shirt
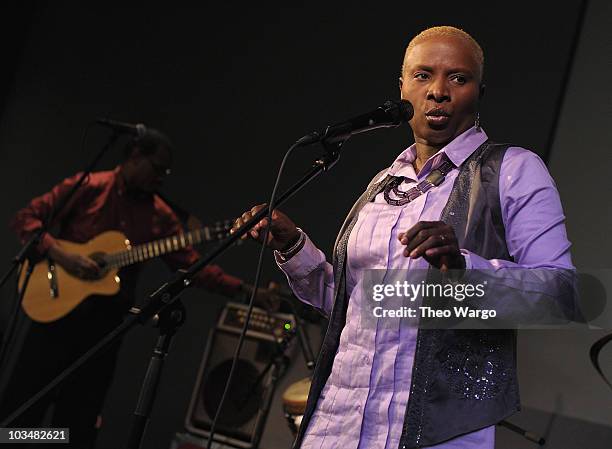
[(102, 204)]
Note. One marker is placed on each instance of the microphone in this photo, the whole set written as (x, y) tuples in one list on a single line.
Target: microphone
[(138, 129), (390, 115)]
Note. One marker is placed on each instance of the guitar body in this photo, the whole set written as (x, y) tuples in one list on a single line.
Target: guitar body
[(52, 292)]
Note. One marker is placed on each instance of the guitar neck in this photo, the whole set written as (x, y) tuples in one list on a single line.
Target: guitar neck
[(156, 248)]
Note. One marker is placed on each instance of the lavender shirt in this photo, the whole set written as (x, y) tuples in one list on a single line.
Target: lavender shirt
[(364, 399)]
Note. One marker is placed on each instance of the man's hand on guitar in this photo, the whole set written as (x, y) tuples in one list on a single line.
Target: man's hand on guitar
[(76, 264)]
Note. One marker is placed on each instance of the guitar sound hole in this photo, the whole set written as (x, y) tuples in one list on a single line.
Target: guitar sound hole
[(100, 259)]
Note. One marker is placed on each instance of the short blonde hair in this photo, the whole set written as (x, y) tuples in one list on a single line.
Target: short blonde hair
[(447, 31)]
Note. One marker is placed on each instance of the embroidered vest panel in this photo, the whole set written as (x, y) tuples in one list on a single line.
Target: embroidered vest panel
[(465, 380)]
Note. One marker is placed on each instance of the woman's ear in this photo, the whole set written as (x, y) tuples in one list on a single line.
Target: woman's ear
[(401, 83), (482, 91)]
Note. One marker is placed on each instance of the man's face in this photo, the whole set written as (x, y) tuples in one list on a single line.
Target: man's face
[(441, 80), (149, 171)]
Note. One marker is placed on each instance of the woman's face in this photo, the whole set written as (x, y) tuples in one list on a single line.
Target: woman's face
[(442, 81)]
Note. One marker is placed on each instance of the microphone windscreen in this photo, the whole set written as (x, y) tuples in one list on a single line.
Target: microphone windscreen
[(406, 111)]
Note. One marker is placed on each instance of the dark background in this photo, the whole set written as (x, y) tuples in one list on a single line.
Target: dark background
[(234, 86)]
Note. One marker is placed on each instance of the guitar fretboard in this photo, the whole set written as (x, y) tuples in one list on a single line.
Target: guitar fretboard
[(156, 248)]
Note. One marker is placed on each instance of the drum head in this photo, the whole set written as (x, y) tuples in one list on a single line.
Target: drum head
[(295, 397)]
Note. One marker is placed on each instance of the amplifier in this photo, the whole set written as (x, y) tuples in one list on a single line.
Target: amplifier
[(244, 413)]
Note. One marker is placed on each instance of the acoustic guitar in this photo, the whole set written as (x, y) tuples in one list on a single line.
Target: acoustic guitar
[(52, 292)]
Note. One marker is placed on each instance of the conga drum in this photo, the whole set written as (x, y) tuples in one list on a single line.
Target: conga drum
[(294, 403)]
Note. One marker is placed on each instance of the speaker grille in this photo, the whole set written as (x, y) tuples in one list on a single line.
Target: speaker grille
[(244, 412)]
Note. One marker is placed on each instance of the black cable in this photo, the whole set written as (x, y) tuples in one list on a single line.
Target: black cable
[(594, 355), (252, 298)]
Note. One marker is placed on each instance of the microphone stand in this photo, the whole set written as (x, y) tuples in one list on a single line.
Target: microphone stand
[(35, 239), (278, 361), (168, 323), (168, 293), (276, 366), (26, 252)]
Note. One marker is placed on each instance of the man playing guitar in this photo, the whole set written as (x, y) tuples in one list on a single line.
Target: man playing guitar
[(123, 200)]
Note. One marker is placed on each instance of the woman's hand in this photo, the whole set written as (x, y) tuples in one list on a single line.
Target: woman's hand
[(436, 242), (283, 232)]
